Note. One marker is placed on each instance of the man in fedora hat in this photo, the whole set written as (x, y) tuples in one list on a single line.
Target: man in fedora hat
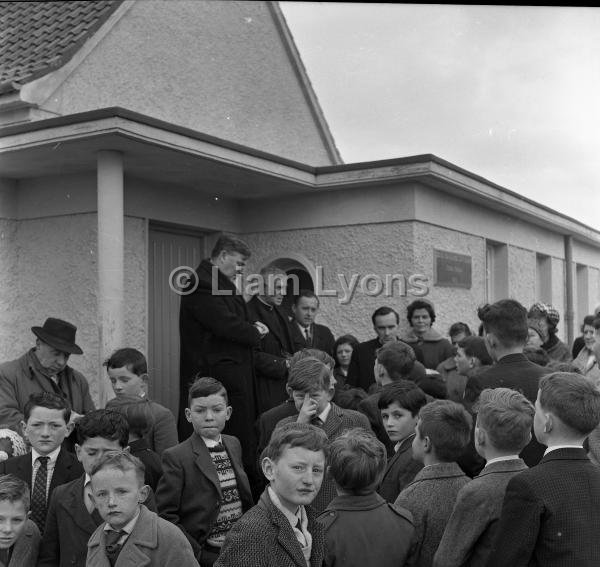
[(44, 369)]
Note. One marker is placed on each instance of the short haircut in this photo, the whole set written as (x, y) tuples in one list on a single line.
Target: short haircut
[(506, 416), (350, 398), (537, 355), (204, 386), (588, 320), (507, 320), (138, 415), (475, 346), (130, 358), (313, 353), (357, 461), (230, 244), (309, 374), (344, 340), (406, 394), (596, 323), (306, 293), (420, 304), (13, 489), (448, 426), (458, 328), (382, 311), (397, 358), (291, 435), (47, 400), (573, 399), (122, 461), (105, 423), (558, 366)]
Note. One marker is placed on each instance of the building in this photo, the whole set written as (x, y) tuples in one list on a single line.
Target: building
[(132, 133)]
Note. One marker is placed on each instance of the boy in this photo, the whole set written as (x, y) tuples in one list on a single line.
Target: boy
[(204, 489), (281, 530), (132, 535), (399, 404), (550, 516), (128, 373), (46, 424), (361, 528), (19, 536), (72, 515), (309, 385), (503, 428), (441, 434)]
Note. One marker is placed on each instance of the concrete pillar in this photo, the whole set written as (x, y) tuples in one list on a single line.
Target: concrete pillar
[(570, 300), (111, 308)]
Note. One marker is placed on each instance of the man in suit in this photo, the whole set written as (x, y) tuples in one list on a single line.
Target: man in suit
[(305, 332), (505, 334), (218, 338), (271, 359), (503, 428), (550, 516)]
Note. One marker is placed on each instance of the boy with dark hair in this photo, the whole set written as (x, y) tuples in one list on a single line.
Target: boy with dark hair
[(503, 428), (550, 515), (19, 536), (281, 530), (128, 374), (72, 515), (204, 489), (309, 384), (132, 535), (46, 424), (361, 528), (399, 405), (441, 435)]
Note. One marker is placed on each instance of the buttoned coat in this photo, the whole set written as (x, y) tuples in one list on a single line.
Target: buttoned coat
[(468, 537), (264, 537), (25, 550), (189, 493), (400, 471), (154, 542), (550, 515), (430, 498)]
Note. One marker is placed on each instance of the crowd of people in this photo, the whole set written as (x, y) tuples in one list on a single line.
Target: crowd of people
[(294, 448)]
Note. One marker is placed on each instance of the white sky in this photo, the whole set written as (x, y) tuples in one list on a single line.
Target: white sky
[(511, 93)]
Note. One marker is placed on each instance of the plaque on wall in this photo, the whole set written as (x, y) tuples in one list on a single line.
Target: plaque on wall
[(451, 270)]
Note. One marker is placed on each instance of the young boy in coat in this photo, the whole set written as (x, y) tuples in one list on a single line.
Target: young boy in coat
[(282, 530), (19, 536), (503, 428), (204, 489), (441, 434), (131, 535), (361, 528)]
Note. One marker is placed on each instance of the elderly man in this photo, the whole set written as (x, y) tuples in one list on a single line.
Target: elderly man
[(44, 369)]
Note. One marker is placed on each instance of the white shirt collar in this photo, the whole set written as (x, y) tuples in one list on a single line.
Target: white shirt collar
[(292, 518), (499, 459), (128, 527), (211, 442), (53, 456), (555, 447), (323, 415), (302, 327)]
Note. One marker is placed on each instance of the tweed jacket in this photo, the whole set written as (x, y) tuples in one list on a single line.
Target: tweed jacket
[(338, 421), (322, 338), (25, 549), (430, 497), (467, 539), (189, 492), (550, 516), (154, 542), (400, 471), (263, 537), (366, 530)]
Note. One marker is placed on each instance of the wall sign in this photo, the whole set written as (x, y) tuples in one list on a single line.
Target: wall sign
[(451, 270)]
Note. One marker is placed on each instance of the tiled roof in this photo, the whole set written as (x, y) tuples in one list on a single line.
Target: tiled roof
[(39, 37)]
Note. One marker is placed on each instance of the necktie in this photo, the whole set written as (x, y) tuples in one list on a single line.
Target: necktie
[(317, 421), (38, 495), (5, 556), (308, 336), (112, 547)]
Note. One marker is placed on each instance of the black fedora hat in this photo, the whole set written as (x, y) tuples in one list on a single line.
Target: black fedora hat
[(58, 334)]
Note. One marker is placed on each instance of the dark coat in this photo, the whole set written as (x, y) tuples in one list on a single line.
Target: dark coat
[(151, 460), (322, 338), (430, 498), (25, 549), (217, 339), (517, 372), (267, 422), (264, 537), (369, 407), (189, 493), (550, 516), (270, 357), (400, 471), (430, 349), (467, 540), (366, 530)]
